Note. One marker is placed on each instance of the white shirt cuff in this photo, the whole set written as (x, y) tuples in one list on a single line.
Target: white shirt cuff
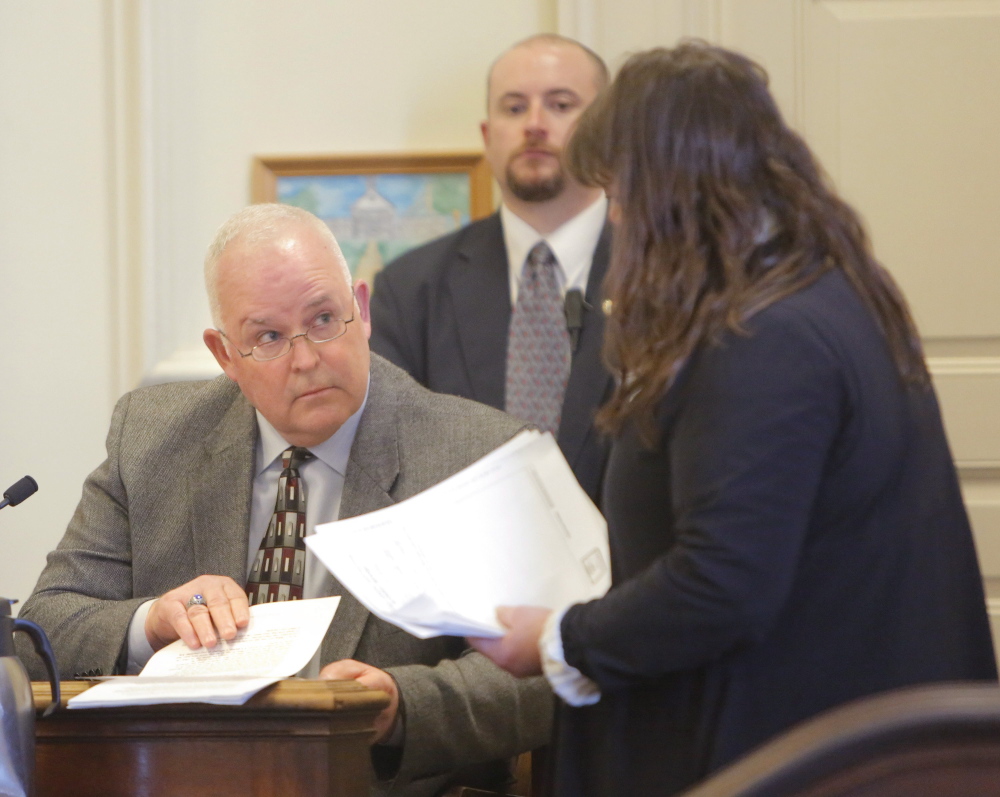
[(139, 649), (568, 682)]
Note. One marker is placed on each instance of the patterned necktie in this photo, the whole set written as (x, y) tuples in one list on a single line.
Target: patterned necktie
[(278, 572), (538, 349)]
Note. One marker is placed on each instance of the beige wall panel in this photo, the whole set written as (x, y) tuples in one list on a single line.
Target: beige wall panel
[(893, 95), (620, 29), (982, 497), (981, 489), (768, 31), (969, 391), (897, 106)]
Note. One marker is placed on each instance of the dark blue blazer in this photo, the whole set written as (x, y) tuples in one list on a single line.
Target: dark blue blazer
[(442, 311), (797, 540)]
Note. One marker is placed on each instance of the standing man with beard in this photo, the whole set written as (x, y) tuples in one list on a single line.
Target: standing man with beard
[(507, 311)]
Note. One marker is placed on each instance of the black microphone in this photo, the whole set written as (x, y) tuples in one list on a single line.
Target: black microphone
[(574, 307), (18, 491)]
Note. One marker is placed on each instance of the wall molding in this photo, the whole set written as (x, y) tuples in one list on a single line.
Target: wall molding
[(964, 366), (703, 19), (577, 19), (124, 54)]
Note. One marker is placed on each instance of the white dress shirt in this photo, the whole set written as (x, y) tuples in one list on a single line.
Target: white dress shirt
[(572, 244)]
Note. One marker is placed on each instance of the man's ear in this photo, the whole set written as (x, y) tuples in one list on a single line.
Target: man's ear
[(217, 345), (484, 128), (363, 297)]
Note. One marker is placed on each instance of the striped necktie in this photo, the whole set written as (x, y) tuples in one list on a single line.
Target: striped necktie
[(278, 572)]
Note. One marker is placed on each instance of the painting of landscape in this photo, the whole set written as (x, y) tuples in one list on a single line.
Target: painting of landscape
[(377, 217)]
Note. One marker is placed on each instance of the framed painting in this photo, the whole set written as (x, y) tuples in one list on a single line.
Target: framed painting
[(379, 206)]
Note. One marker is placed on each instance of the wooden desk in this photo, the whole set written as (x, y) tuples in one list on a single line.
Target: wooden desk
[(297, 737)]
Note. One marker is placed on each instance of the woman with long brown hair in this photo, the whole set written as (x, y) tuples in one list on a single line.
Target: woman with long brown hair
[(786, 526)]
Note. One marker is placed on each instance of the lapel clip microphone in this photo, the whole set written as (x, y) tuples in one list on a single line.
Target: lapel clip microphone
[(574, 307)]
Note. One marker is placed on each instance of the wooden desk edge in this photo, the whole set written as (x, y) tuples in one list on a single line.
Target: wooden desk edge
[(292, 693)]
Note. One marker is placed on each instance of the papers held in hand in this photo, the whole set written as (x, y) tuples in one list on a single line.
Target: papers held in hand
[(513, 529), (279, 641)]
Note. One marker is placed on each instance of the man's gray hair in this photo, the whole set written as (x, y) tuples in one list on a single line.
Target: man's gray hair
[(258, 224)]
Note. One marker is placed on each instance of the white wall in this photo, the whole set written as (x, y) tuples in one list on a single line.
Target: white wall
[(57, 369), (126, 132)]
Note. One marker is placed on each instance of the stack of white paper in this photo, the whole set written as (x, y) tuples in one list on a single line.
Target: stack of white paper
[(279, 641), (514, 528)]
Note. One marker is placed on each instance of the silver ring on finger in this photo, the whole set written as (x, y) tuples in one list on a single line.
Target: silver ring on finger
[(196, 600)]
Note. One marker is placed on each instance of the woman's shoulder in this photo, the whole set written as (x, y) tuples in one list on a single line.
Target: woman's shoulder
[(811, 334), (828, 314), (828, 300)]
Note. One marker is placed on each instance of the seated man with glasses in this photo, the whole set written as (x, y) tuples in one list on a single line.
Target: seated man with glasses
[(209, 488)]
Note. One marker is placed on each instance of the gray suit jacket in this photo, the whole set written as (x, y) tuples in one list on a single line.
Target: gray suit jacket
[(442, 312), (172, 501)]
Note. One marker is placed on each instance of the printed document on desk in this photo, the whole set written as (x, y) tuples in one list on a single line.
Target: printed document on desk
[(514, 528), (279, 641)]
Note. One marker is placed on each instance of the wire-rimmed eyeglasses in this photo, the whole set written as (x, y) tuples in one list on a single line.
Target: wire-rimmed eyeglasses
[(324, 329)]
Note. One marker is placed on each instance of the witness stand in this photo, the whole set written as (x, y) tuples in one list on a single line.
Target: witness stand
[(301, 737)]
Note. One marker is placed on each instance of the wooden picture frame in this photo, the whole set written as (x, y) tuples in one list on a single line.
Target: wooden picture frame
[(379, 206)]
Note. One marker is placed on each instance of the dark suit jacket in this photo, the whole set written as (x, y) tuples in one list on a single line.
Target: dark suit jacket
[(172, 502), (441, 312), (798, 540)]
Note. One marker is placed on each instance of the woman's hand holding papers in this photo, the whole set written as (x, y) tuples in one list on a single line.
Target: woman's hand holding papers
[(516, 652), (373, 678)]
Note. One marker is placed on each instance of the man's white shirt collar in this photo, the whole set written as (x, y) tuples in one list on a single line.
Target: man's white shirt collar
[(572, 244)]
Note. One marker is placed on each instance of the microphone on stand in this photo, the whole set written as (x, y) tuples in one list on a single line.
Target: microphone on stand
[(18, 491), (17, 740)]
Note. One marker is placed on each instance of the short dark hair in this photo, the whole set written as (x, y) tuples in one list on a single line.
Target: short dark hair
[(724, 211)]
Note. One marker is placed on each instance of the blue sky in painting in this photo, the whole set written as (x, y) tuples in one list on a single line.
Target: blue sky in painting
[(336, 193)]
